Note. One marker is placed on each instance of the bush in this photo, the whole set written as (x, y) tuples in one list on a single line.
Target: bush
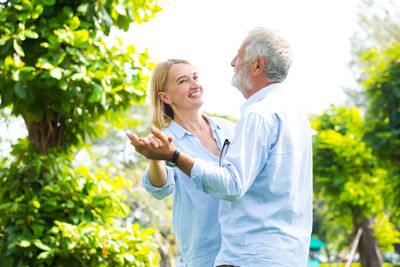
[(55, 215)]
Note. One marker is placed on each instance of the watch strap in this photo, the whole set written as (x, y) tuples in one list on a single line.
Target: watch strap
[(174, 158)]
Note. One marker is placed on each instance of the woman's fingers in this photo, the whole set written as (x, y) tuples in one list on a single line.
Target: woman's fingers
[(133, 138), (157, 133), (155, 142)]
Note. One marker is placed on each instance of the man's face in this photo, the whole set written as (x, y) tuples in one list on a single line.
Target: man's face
[(241, 79)]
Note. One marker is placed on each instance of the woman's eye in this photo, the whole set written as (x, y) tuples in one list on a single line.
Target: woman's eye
[(196, 78), (181, 81)]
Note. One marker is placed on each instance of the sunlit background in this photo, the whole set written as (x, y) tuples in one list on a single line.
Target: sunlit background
[(208, 33)]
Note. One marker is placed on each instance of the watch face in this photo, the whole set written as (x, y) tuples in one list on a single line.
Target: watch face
[(170, 164)]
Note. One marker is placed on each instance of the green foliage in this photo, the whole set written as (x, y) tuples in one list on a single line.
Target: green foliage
[(113, 146), (339, 156), (347, 176), (55, 215), (59, 74), (382, 89), (55, 64), (378, 27), (383, 92)]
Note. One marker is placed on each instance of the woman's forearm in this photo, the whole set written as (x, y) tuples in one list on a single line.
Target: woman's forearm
[(157, 173)]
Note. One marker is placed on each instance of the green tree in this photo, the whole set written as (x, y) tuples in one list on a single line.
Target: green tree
[(378, 26), (113, 147), (58, 73), (349, 181), (382, 90)]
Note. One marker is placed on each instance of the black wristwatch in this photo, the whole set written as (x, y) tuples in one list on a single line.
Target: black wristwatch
[(174, 159)]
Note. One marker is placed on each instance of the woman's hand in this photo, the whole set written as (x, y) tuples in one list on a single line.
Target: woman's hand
[(156, 146)]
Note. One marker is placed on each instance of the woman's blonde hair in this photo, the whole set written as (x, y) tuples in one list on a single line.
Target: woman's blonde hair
[(162, 112)]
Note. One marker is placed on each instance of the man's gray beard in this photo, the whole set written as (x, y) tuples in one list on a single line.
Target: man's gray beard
[(241, 82)]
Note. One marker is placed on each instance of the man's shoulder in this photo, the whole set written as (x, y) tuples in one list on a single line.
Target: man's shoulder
[(222, 122)]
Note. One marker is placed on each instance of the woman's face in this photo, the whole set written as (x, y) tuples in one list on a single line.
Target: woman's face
[(183, 92)]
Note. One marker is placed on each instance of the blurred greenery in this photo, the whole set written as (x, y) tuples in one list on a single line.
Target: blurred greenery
[(60, 76), (356, 150), (113, 146), (350, 184), (382, 89), (57, 215)]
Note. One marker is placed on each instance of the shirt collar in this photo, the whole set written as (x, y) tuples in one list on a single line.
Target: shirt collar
[(261, 94), (180, 132)]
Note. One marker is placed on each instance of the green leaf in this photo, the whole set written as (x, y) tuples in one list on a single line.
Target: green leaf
[(26, 73), (81, 37), (74, 24), (123, 23), (37, 230), (44, 255), (5, 49), (37, 11), (20, 90), (100, 75), (48, 2), (24, 243), (38, 243), (83, 8), (70, 204), (36, 203), (4, 39), (56, 73), (66, 106), (18, 7), (96, 94), (18, 49), (129, 257), (31, 34), (23, 16)]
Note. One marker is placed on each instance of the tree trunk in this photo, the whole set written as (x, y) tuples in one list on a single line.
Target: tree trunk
[(46, 133), (368, 248)]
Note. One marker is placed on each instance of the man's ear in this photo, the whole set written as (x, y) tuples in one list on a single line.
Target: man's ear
[(163, 96), (259, 65)]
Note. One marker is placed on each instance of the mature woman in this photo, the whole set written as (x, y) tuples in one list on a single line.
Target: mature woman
[(176, 96)]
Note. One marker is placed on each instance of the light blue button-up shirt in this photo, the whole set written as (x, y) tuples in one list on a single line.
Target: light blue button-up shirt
[(266, 180), (195, 214)]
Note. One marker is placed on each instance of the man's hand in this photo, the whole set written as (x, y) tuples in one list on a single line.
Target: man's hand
[(156, 146)]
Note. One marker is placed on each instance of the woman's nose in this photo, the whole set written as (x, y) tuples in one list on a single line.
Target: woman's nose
[(195, 83)]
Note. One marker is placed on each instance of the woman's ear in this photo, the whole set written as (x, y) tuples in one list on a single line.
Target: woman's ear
[(163, 96)]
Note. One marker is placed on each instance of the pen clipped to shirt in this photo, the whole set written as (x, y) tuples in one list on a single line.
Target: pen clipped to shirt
[(223, 152)]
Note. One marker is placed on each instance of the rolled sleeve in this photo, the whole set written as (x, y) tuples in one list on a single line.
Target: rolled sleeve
[(159, 192), (196, 173), (245, 158)]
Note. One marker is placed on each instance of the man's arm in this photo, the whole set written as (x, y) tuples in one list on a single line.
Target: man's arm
[(245, 158)]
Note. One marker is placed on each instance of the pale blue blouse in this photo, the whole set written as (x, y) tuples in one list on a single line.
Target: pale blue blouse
[(195, 214)]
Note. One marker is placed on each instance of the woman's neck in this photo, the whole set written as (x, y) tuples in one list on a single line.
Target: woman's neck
[(192, 121)]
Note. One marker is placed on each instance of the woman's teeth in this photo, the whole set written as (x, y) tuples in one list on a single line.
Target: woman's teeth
[(195, 94)]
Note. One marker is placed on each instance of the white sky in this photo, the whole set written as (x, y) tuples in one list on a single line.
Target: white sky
[(209, 32)]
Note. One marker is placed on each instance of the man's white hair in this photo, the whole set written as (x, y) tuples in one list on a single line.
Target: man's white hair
[(275, 51)]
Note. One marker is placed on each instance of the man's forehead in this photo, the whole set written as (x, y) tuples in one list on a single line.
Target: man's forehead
[(246, 42)]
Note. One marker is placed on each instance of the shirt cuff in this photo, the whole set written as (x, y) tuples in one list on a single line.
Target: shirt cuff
[(159, 192), (196, 173)]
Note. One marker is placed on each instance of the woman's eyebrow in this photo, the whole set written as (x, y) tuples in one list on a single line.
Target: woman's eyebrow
[(180, 77)]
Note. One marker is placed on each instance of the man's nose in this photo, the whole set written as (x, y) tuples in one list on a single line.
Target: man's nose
[(233, 62)]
